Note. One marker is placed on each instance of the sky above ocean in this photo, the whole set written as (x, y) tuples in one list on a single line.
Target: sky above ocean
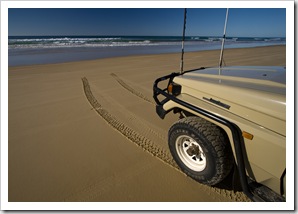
[(242, 22), (51, 35)]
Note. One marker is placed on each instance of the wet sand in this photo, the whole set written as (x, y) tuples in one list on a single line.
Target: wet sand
[(88, 131)]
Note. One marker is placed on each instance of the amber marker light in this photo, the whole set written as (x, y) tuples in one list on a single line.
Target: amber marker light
[(170, 88), (174, 88), (247, 135)]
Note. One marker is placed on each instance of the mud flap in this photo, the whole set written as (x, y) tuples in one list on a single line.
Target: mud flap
[(160, 111), (236, 180)]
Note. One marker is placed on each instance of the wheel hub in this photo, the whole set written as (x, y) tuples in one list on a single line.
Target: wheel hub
[(193, 150)]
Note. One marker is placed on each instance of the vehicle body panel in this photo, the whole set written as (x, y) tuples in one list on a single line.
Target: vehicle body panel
[(253, 98), (247, 97)]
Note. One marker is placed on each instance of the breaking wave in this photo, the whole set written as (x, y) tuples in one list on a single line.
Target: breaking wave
[(20, 42)]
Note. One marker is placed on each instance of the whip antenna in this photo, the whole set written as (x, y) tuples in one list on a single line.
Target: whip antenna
[(223, 39), (183, 38)]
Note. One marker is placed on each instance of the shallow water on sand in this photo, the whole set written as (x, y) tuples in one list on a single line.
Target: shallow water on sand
[(31, 56)]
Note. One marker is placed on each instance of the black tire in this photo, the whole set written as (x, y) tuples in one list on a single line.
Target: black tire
[(201, 149)]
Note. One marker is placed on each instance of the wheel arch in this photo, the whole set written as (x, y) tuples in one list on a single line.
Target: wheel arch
[(185, 112), (232, 130)]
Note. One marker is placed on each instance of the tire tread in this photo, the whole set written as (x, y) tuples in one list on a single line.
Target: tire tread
[(219, 140)]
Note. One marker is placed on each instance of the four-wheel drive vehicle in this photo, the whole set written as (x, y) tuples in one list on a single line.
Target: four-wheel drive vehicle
[(232, 120)]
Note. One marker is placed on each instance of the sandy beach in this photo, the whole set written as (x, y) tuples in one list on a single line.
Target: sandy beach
[(88, 131)]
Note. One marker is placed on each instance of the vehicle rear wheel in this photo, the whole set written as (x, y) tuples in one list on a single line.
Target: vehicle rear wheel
[(201, 149)]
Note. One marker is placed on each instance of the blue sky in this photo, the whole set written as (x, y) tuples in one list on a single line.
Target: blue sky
[(264, 22)]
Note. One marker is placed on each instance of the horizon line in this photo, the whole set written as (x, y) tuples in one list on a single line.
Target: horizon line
[(154, 36)]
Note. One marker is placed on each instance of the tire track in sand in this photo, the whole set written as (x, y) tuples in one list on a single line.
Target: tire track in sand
[(130, 89), (135, 122), (146, 145), (129, 133), (140, 95)]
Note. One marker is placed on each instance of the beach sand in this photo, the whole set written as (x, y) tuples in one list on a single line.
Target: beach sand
[(88, 131)]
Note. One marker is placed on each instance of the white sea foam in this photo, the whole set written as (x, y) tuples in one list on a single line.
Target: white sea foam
[(57, 42)]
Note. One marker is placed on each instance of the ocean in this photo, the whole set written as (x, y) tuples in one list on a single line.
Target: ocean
[(29, 50)]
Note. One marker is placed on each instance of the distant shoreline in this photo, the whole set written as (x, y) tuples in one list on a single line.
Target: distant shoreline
[(65, 55), (29, 50)]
